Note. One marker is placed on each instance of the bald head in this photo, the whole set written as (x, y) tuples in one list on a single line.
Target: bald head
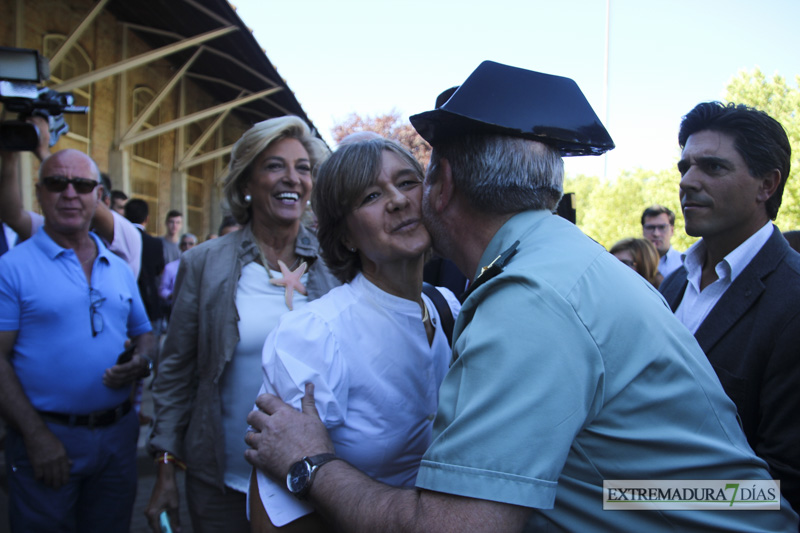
[(68, 195), (70, 156)]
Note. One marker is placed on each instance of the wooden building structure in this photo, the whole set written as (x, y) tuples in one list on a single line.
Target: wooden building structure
[(171, 84)]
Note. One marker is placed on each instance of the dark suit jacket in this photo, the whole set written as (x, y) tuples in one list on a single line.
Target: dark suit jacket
[(152, 267), (752, 339)]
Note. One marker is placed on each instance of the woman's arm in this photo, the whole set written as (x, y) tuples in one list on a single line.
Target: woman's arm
[(301, 349), (173, 392)]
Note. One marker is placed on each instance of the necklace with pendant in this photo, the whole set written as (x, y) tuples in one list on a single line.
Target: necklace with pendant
[(290, 280)]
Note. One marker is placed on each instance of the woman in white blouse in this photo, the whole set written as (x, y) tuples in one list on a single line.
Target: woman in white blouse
[(374, 347)]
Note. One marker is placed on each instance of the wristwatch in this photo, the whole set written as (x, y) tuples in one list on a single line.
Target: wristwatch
[(301, 474), (148, 367)]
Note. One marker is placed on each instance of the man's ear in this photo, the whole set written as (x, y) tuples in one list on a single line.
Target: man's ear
[(769, 185), (444, 188)]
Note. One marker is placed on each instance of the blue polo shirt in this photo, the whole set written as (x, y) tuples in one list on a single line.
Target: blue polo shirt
[(45, 297)]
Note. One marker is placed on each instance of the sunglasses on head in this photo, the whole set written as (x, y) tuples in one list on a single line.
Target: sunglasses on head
[(59, 184)]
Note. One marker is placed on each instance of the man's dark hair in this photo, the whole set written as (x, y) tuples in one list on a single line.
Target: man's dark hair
[(118, 195), (105, 182), (172, 214), (655, 210), (228, 221), (757, 137), (136, 210)]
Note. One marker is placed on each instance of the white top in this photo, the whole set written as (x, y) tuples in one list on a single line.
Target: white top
[(696, 304), (670, 262), (127, 242), (376, 381), (260, 306)]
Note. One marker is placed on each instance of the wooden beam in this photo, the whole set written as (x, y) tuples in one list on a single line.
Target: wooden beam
[(206, 134), (219, 152), (142, 59), (194, 117), (66, 46), (155, 102)]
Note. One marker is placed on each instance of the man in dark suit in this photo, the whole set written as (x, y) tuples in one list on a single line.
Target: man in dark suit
[(137, 211), (739, 288)]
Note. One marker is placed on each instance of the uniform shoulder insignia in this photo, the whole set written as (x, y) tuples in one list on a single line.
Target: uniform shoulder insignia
[(492, 269)]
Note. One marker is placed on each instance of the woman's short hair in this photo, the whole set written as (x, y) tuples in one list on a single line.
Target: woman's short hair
[(249, 147), (340, 182), (645, 257)]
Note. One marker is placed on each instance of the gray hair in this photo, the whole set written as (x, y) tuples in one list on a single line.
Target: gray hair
[(249, 147), (188, 236), (500, 175)]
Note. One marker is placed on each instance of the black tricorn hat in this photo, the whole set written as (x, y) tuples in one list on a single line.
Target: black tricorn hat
[(516, 102)]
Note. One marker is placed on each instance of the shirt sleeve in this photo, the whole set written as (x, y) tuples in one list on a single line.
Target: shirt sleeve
[(138, 322), (168, 281), (127, 243), (301, 349), (10, 311), (523, 347)]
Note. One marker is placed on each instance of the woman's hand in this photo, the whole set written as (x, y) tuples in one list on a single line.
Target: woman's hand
[(165, 497)]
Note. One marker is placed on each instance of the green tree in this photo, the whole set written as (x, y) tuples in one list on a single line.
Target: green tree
[(781, 102), (611, 210)]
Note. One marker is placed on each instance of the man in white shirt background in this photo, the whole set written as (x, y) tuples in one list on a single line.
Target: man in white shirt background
[(658, 225)]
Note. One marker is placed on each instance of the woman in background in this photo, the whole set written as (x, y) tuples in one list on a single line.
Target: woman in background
[(229, 294), (641, 256)]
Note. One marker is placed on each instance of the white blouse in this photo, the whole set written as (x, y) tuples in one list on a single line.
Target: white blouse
[(260, 305), (376, 381)]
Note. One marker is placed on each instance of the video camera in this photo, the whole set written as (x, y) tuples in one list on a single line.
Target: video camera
[(21, 72)]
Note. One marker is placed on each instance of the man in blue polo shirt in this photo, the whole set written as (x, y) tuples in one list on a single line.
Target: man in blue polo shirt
[(67, 306)]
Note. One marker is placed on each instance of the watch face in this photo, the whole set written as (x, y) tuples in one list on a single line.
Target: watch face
[(297, 478)]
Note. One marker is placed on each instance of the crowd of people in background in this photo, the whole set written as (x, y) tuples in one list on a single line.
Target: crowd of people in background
[(502, 399)]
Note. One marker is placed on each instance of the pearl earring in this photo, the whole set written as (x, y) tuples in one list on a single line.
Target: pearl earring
[(353, 250), (248, 198)]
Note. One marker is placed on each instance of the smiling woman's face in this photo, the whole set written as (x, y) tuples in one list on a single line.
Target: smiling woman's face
[(386, 225), (280, 183)]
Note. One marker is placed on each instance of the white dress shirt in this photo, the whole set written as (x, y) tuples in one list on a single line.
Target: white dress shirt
[(670, 262), (696, 304)]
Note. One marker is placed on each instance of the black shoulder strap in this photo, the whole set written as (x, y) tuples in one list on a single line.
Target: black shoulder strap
[(442, 307)]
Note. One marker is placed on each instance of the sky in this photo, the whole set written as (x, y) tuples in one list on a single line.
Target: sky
[(665, 56)]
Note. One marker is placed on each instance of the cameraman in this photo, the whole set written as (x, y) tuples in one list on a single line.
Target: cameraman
[(118, 234)]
